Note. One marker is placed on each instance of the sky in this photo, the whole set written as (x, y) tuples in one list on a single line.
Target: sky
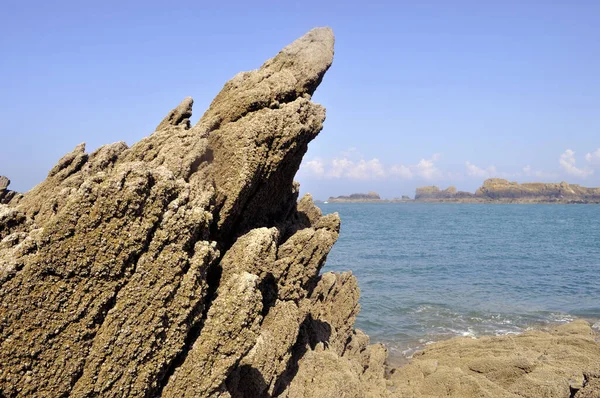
[(420, 92)]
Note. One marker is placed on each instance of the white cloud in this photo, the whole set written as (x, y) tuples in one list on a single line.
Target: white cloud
[(593, 158), (364, 170), (476, 171), (427, 169), (568, 164), (529, 171), (400, 170), (339, 167), (347, 166), (315, 167)]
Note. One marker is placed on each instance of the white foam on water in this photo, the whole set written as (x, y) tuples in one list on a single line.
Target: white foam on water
[(503, 332), (562, 318), (469, 333)]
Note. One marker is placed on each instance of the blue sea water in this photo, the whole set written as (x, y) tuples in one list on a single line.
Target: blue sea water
[(432, 271)]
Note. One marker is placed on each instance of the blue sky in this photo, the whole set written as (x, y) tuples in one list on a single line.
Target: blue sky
[(420, 92)]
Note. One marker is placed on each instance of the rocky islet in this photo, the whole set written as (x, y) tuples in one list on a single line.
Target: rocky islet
[(499, 190)]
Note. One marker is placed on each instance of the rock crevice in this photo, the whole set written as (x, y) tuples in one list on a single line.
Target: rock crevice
[(183, 265), (186, 266)]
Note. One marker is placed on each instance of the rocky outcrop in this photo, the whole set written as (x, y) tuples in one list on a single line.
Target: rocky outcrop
[(563, 362), (184, 265), (502, 191), (6, 195), (433, 192), (357, 197)]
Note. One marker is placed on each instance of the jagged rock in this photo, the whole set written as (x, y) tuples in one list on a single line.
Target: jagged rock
[(6, 195), (4, 183), (535, 364), (229, 332), (178, 116), (182, 265), (185, 265)]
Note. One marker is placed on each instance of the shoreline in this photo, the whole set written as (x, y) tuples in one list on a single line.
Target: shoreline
[(398, 358), (557, 360)]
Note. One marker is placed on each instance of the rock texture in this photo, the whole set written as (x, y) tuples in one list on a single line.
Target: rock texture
[(185, 265), (6, 195), (502, 191), (564, 362)]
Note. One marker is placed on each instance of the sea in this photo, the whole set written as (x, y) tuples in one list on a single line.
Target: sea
[(428, 272)]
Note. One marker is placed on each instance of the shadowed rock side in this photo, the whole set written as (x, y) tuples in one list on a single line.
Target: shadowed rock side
[(183, 265), (498, 190), (6, 195)]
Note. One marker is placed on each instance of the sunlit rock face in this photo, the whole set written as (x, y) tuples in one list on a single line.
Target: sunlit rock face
[(184, 265)]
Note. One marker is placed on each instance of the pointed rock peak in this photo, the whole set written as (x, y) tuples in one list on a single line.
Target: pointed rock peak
[(309, 57), (178, 116), (72, 161), (294, 72), (4, 183)]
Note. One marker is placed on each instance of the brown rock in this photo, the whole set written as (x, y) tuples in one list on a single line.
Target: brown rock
[(4, 183), (535, 364), (6, 195), (179, 116), (229, 331), (182, 266), (185, 266)]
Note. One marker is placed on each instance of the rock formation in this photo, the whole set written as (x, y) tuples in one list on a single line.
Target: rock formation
[(184, 265), (502, 191), (6, 195), (357, 197), (433, 192), (563, 362)]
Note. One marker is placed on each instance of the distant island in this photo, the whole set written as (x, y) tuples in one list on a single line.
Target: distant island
[(356, 197), (371, 197), (499, 190), (493, 190)]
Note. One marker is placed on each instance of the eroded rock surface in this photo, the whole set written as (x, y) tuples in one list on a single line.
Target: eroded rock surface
[(6, 195), (563, 362), (186, 266), (183, 265)]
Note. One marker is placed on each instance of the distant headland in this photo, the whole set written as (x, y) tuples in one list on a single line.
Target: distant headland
[(493, 190)]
